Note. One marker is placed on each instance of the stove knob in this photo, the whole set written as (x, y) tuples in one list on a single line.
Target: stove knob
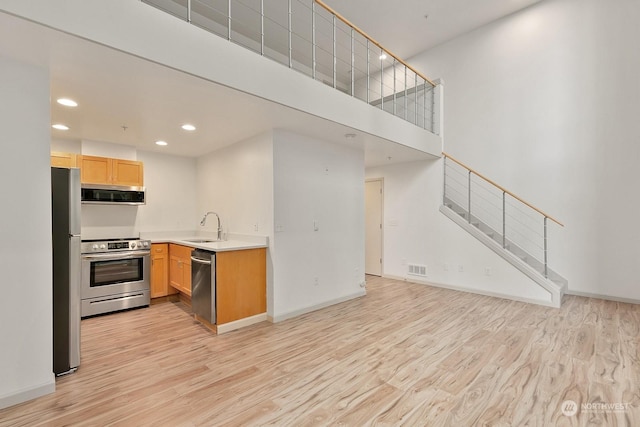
[(94, 247), (103, 246), (145, 244), (133, 245)]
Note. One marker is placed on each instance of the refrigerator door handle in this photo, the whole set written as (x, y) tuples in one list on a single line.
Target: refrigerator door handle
[(74, 202)]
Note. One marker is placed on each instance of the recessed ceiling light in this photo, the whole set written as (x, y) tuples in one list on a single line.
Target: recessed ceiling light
[(163, 143), (67, 102), (349, 135), (383, 57), (188, 127), (60, 126)]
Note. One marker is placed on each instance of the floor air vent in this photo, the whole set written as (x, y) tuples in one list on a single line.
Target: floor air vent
[(417, 270)]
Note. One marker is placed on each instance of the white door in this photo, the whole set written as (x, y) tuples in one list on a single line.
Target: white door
[(373, 227)]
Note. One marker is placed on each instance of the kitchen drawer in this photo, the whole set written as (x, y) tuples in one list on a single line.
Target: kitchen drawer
[(159, 249)]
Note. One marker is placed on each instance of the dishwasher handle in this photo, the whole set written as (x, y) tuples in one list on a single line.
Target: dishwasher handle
[(200, 261)]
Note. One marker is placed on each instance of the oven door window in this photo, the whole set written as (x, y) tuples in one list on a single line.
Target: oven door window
[(111, 272)]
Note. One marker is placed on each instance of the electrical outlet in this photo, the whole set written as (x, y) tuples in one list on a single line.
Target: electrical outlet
[(316, 282), (487, 271), (446, 267), (460, 268), (255, 227)]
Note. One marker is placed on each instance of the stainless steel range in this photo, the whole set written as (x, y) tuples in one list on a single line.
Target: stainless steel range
[(115, 275)]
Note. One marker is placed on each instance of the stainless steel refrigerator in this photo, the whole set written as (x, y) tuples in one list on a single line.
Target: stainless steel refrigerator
[(65, 215)]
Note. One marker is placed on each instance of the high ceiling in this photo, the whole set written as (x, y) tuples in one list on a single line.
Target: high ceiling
[(401, 26), (127, 100)]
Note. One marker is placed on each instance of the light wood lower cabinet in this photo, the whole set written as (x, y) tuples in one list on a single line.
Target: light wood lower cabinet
[(180, 268), (241, 280), (241, 284), (160, 271)]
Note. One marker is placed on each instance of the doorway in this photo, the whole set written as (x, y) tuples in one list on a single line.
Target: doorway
[(373, 208)]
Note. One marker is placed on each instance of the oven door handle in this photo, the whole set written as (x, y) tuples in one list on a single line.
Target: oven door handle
[(121, 255)]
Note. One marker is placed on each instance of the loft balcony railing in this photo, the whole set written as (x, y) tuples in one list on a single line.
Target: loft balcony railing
[(310, 37), (516, 225)]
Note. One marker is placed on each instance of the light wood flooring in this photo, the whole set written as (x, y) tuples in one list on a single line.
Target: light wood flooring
[(405, 354)]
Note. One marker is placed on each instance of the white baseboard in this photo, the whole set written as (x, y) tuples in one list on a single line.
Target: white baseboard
[(474, 291), (237, 324), (29, 394), (601, 296), (295, 313)]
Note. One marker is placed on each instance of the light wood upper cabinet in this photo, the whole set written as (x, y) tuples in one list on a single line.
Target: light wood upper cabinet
[(127, 172), (104, 170), (63, 160), (95, 170)]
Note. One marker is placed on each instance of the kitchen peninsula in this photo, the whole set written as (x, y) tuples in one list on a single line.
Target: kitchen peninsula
[(240, 275)]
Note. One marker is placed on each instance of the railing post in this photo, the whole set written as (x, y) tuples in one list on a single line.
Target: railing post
[(444, 181), (546, 270), (189, 11), (353, 65), (424, 104), (504, 220), (394, 86), (229, 20), (433, 107), (405, 92), (313, 40), (335, 62), (290, 41), (381, 81), (469, 203), (415, 97), (262, 27), (368, 73)]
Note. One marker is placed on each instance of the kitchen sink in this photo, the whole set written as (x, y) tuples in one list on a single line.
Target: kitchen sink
[(200, 240)]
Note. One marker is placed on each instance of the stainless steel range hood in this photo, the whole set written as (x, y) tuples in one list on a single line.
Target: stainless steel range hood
[(99, 194)]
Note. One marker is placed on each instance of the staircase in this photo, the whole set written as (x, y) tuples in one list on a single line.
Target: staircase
[(511, 227)]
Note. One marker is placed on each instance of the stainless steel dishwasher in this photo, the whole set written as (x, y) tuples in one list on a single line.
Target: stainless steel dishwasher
[(203, 284)]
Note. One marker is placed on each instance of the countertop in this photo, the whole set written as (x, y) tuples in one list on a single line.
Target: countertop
[(234, 243)]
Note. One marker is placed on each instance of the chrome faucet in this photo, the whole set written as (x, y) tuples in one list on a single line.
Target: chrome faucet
[(204, 221)]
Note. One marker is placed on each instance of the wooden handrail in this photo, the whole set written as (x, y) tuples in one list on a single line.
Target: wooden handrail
[(502, 189), (372, 40)]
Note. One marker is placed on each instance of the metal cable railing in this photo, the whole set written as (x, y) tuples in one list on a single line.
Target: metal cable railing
[(515, 224), (310, 37)]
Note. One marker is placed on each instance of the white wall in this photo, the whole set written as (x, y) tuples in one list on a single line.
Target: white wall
[(66, 146), (545, 102), (26, 366), (316, 181), (415, 232), (108, 149), (171, 192), (237, 183)]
